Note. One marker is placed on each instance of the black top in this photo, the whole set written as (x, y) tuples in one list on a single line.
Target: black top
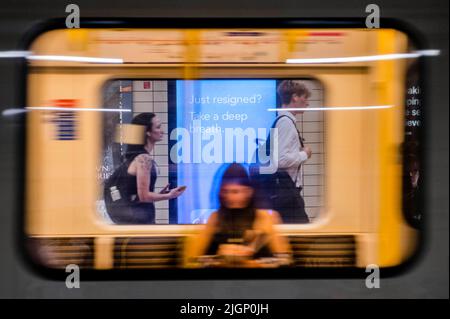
[(144, 212)]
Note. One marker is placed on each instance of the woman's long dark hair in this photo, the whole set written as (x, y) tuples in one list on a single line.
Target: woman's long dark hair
[(236, 220), (144, 119)]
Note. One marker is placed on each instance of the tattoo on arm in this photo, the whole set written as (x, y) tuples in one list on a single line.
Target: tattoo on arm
[(144, 162)]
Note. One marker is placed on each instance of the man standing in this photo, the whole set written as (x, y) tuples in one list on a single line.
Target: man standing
[(292, 153)]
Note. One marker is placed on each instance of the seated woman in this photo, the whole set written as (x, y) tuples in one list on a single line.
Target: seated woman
[(238, 232), (129, 193)]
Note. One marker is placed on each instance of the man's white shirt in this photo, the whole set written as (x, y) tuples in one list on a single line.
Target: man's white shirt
[(290, 155)]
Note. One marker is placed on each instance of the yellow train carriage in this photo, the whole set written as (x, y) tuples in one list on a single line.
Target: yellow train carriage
[(359, 217)]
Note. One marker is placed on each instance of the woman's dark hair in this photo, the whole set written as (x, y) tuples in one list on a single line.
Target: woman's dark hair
[(236, 220), (144, 119)]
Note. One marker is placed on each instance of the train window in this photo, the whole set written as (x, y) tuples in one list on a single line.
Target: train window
[(229, 119), (289, 145)]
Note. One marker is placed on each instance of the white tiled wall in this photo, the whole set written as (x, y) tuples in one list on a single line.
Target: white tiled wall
[(311, 127)]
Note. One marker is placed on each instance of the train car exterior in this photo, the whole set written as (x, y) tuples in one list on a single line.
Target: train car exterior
[(354, 186)]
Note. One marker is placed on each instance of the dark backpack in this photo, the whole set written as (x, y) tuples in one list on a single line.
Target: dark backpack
[(264, 184), (277, 191), (116, 195)]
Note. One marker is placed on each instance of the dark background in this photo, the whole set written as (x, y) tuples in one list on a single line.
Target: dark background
[(428, 278)]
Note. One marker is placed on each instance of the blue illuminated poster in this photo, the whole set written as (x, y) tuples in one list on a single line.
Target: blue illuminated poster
[(218, 122)]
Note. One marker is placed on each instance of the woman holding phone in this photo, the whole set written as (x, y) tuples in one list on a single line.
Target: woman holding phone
[(137, 182)]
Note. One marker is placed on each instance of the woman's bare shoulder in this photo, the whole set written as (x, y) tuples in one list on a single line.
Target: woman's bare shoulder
[(143, 159), (213, 217), (263, 214), (143, 156), (271, 216)]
